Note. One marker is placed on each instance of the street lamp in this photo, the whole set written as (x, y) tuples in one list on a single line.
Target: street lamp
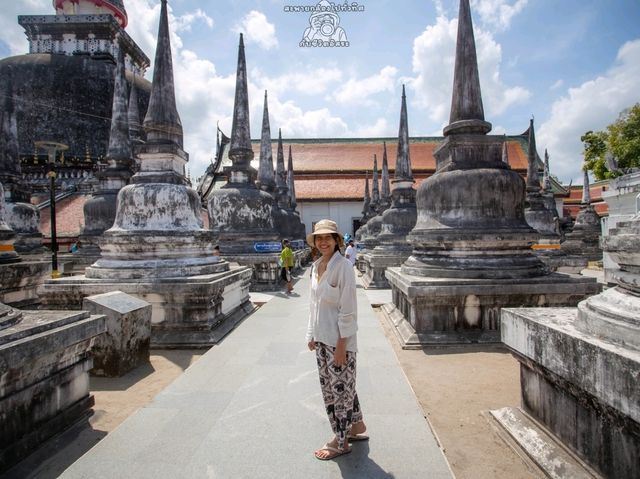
[(52, 148)]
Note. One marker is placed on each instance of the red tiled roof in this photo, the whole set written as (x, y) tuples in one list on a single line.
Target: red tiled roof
[(340, 156), (571, 205)]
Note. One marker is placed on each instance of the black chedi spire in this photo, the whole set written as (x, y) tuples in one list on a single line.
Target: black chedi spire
[(162, 123), (467, 112), (240, 151), (403, 159), (265, 170), (119, 150)]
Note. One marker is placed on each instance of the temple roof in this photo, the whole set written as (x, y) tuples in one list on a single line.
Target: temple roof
[(334, 169), (356, 155)]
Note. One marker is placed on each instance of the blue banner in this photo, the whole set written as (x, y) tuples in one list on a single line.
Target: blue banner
[(298, 244), (267, 247)]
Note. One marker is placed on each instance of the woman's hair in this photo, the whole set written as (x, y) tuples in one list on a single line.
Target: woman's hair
[(337, 238)]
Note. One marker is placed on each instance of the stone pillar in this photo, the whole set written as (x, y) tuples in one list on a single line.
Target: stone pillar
[(125, 344)]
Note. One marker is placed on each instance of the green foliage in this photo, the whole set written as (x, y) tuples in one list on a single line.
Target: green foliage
[(621, 138)]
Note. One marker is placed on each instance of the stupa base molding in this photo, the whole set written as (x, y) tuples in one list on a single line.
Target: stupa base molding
[(375, 265), (265, 272), (189, 312), (46, 385), (581, 388), (516, 426), (442, 311), (19, 281)]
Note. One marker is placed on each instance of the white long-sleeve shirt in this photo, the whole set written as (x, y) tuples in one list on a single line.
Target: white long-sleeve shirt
[(333, 312)]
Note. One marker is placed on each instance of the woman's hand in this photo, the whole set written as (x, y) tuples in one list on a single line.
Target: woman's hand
[(340, 355), (311, 345)]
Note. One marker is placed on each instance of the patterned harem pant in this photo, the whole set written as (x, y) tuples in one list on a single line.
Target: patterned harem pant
[(338, 384)]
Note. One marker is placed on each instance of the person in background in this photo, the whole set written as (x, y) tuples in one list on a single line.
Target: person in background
[(351, 252), (286, 262), (332, 335), (216, 250)]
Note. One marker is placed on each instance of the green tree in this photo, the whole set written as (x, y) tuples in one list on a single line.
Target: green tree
[(621, 138)]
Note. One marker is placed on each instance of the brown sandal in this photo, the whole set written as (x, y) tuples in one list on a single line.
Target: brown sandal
[(334, 452)]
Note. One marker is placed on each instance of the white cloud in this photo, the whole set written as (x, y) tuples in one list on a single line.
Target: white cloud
[(358, 92), (258, 30), (590, 106), (380, 128), (184, 22), (433, 62), (13, 34), (307, 80), (557, 84), (497, 13)]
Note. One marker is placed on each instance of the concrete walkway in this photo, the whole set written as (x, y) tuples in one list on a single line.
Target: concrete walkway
[(251, 408)]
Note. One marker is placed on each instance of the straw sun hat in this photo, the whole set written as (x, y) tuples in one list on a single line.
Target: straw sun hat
[(324, 227)]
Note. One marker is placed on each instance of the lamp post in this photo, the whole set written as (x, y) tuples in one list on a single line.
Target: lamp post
[(52, 148)]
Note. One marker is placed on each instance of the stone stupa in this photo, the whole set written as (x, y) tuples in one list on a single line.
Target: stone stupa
[(471, 244), (582, 244), (241, 214), (393, 249), (157, 248)]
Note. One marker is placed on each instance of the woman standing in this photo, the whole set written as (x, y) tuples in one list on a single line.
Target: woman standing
[(332, 334)]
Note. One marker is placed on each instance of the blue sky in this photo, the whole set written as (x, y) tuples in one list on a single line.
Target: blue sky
[(572, 64)]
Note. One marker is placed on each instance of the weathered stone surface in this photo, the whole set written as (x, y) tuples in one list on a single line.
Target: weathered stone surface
[(471, 243), (187, 311), (555, 460), (7, 236), (467, 310), (157, 248), (584, 239), (125, 343), (44, 385), (72, 83), (265, 271), (24, 220), (19, 282), (622, 200), (100, 211), (582, 388), (8, 316), (240, 217)]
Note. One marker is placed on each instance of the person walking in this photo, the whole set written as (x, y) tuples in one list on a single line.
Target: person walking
[(331, 333), (286, 262), (351, 252)]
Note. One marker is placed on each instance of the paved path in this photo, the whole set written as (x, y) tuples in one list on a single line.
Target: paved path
[(251, 408)]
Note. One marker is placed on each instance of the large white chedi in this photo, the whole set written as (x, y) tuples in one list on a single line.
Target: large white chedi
[(157, 248)]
